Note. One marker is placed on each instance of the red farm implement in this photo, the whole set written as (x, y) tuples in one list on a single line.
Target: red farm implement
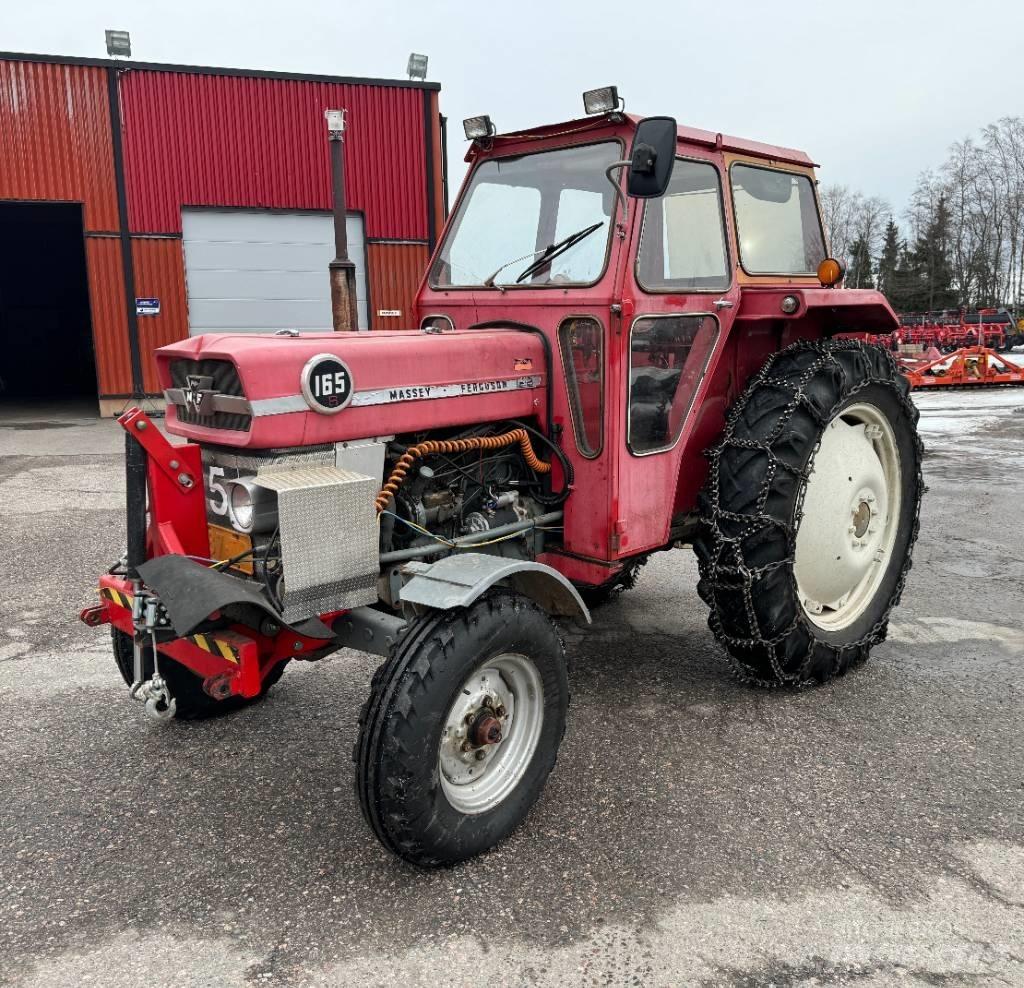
[(975, 366), (949, 330)]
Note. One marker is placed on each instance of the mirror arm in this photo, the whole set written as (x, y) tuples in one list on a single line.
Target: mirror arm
[(620, 195)]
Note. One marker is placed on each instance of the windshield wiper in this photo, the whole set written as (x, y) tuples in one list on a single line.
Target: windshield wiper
[(548, 253), (555, 250), (489, 282)]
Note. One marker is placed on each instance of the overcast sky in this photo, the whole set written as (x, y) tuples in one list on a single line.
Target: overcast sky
[(875, 91)]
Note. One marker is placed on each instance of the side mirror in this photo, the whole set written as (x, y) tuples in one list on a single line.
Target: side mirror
[(654, 154)]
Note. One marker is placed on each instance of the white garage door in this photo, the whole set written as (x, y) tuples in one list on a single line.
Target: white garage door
[(253, 271)]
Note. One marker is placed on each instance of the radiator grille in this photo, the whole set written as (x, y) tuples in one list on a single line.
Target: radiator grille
[(225, 382)]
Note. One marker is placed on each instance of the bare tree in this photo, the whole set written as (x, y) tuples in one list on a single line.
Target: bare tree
[(839, 205), (982, 184), (851, 217)]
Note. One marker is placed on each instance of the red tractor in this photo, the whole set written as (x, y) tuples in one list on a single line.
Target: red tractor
[(626, 344)]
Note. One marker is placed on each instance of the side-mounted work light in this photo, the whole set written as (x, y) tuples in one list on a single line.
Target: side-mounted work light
[(603, 100), (478, 127)]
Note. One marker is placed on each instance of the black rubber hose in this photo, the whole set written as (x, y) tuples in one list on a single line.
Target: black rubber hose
[(567, 470), (135, 503), (549, 360)]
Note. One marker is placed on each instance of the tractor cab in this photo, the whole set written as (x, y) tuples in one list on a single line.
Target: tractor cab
[(641, 250)]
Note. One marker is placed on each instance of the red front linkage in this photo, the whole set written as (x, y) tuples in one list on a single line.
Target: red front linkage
[(233, 660)]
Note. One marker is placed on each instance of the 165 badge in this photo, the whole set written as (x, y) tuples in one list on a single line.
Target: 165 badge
[(327, 383)]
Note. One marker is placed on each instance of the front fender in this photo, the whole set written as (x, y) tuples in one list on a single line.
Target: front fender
[(459, 579)]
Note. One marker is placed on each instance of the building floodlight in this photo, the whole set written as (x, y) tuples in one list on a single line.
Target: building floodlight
[(335, 122), (417, 67), (119, 43)]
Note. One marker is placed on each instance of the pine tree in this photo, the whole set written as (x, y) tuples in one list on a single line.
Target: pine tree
[(905, 294), (859, 275), (931, 264), (889, 261)]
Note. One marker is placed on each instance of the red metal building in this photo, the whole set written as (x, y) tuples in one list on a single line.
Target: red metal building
[(140, 202)]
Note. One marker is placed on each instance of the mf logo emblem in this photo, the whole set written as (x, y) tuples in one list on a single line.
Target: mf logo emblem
[(199, 394)]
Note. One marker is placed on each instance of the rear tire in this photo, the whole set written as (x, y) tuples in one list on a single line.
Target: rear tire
[(192, 702), (605, 593), (420, 784), (754, 501)]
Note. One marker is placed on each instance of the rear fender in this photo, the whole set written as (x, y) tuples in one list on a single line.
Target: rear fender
[(458, 580)]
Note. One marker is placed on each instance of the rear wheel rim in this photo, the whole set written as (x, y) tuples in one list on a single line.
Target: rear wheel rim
[(477, 775), (850, 517)]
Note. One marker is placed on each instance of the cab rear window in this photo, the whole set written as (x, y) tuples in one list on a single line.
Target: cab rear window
[(777, 221)]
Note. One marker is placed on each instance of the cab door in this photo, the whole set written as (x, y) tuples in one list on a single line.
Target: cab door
[(680, 297)]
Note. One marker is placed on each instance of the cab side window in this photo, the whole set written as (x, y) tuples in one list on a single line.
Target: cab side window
[(581, 342), (667, 359), (682, 246), (777, 221)]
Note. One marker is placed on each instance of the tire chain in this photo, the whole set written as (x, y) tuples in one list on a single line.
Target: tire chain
[(711, 512)]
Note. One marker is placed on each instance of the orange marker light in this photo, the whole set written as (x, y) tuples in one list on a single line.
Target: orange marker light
[(830, 272)]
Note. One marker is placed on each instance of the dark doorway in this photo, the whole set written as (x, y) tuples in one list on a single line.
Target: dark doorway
[(46, 347)]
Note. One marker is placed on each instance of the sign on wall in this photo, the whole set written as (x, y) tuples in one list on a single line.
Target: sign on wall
[(147, 306)]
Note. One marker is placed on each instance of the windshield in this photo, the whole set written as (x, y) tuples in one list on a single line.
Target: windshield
[(515, 208)]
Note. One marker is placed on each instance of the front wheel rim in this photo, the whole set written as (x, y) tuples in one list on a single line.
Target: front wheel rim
[(491, 733), (850, 517)]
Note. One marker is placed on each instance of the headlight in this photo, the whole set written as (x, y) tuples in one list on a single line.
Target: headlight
[(252, 508), (241, 507)]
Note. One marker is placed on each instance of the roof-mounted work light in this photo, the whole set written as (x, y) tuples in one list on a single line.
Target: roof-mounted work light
[(478, 127), (417, 66), (603, 100), (119, 43)]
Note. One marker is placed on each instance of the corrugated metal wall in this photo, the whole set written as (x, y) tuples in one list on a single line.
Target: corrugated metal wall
[(201, 140), (56, 144), (109, 315), (55, 138), (159, 273), (395, 271)]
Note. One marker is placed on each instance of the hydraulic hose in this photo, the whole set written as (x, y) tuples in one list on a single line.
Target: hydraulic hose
[(413, 453)]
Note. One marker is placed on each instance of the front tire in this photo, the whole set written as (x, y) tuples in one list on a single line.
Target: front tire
[(810, 513), (462, 729)]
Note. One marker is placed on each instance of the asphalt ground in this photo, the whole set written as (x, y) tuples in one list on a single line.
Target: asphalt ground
[(695, 831)]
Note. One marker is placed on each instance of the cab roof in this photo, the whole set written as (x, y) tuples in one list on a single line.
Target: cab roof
[(686, 135)]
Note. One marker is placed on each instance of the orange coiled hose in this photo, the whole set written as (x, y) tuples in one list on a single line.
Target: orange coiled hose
[(413, 453)]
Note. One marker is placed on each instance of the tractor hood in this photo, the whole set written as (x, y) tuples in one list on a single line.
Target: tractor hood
[(266, 392)]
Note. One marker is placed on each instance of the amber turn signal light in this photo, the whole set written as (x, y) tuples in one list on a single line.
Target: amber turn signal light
[(830, 272)]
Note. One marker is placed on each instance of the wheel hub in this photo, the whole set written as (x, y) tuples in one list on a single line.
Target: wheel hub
[(490, 733), (486, 729), (850, 508), (861, 519)]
